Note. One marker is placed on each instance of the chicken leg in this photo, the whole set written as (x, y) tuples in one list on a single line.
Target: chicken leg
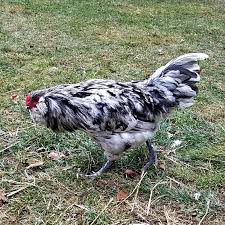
[(103, 169), (108, 164), (153, 156)]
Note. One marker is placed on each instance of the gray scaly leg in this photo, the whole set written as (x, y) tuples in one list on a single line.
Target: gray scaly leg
[(153, 156)]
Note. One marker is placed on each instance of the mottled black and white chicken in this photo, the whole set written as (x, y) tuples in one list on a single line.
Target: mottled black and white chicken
[(119, 115)]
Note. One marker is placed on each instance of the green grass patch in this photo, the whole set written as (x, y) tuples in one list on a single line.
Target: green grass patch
[(45, 43)]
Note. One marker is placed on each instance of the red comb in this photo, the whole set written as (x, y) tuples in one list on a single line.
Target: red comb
[(27, 101)]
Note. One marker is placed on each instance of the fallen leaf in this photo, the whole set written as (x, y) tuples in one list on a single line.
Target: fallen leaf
[(56, 155), (161, 165), (102, 182), (66, 152), (34, 163), (121, 195), (14, 98), (3, 197), (130, 173)]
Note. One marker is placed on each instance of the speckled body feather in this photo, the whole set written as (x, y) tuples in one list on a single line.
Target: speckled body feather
[(118, 115)]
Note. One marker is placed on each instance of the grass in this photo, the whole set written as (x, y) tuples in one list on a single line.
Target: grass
[(43, 43)]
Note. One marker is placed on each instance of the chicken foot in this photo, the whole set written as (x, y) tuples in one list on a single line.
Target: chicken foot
[(103, 169)]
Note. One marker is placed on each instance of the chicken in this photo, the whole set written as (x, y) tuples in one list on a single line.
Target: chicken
[(119, 115)]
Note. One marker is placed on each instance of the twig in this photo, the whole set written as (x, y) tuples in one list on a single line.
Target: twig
[(75, 193), (14, 90), (139, 207), (174, 161), (166, 215), (136, 194), (175, 181), (93, 222), (138, 184), (17, 191), (4, 149), (17, 182), (206, 212), (69, 207), (26, 128), (184, 163), (156, 199), (151, 193), (141, 217), (217, 160), (49, 203)]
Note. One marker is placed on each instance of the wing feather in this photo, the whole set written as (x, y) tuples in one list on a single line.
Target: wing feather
[(99, 105)]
